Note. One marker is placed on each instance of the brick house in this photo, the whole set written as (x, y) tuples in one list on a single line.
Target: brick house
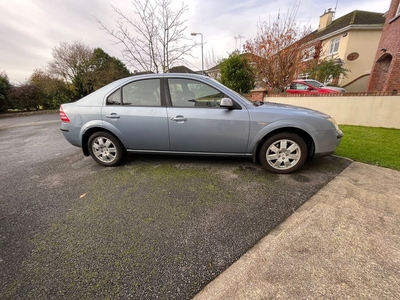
[(385, 75)]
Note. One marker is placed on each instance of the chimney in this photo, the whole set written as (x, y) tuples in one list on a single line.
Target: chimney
[(326, 19)]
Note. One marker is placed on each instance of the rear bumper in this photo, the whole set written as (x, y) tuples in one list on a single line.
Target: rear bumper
[(70, 135)]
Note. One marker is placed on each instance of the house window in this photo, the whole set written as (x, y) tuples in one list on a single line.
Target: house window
[(334, 47), (308, 53), (303, 76), (398, 10)]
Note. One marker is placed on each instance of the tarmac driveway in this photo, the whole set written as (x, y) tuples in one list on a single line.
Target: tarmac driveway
[(157, 227)]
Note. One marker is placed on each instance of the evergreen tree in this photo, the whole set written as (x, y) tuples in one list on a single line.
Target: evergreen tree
[(4, 90), (237, 74)]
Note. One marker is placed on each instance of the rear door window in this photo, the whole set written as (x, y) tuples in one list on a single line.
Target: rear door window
[(142, 93)]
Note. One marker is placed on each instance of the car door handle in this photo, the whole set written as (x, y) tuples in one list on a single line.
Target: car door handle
[(113, 116), (179, 119)]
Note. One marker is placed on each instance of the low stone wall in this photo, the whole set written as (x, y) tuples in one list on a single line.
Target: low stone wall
[(365, 110)]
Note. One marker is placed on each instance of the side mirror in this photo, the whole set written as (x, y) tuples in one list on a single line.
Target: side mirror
[(226, 102)]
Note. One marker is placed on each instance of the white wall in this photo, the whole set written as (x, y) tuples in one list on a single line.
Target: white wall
[(374, 111)]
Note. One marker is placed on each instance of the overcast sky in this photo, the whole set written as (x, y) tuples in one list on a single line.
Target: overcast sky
[(29, 29)]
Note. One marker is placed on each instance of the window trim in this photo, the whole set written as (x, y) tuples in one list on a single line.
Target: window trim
[(332, 46)]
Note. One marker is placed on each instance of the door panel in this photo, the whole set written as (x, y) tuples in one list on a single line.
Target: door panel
[(208, 130), (198, 124), (136, 111)]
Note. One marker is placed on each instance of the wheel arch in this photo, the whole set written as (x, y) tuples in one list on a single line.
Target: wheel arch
[(86, 135), (300, 132)]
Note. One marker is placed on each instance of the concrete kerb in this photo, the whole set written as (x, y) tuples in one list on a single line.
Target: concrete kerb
[(342, 243)]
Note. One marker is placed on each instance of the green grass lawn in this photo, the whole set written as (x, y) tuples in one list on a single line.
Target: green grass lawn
[(371, 145)]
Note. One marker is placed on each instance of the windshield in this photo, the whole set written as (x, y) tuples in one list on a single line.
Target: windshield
[(236, 93), (243, 98)]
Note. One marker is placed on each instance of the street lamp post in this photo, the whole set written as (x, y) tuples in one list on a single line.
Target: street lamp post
[(202, 58)]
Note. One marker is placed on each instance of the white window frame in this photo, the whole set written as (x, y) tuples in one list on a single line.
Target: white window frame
[(303, 76), (398, 10), (334, 44)]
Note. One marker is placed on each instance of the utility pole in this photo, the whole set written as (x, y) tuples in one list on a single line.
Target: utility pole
[(202, 54)]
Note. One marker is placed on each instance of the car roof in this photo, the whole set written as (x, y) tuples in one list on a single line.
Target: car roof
[(167, 75), (299, 81), (305, 80)]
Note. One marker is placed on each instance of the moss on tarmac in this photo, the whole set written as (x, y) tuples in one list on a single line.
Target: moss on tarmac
[(160, 228)]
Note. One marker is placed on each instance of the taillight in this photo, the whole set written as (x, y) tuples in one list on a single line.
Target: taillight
[(63, 116)]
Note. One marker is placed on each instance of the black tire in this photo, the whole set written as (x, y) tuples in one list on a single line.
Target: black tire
[(106, 149), (283, 153)]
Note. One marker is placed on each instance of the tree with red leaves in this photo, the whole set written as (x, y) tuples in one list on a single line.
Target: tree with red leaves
[(278, 49)]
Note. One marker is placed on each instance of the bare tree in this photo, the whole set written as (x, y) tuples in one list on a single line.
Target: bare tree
[(156, 39), (72, 63), (277, 50)]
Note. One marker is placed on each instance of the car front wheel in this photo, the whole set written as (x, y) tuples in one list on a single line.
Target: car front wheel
[(106, 149), (283, 153)]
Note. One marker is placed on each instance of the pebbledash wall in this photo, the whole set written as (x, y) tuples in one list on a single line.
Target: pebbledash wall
[(378, 110)]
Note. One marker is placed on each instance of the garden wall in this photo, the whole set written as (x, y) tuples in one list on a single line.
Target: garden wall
[(366, 110)]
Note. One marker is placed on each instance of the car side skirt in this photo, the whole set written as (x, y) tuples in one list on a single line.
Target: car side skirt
[(190, 153)]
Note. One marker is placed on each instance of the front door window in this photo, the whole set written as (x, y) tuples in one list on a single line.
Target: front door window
[(190, 93)]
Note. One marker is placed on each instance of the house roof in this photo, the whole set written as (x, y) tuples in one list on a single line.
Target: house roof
[(216, 68), (247, 55), (357, 17), (181, 69)]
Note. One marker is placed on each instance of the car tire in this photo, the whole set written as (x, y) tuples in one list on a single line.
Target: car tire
[(283, 153), (106, 149)]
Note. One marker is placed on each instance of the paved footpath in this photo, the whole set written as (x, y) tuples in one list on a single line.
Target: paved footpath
[(344, 243)]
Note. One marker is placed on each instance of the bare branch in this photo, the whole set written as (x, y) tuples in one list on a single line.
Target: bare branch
[(71, 62), (154, 40), (276, 50)]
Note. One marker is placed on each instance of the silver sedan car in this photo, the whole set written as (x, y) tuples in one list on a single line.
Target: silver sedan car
[(194, 115)]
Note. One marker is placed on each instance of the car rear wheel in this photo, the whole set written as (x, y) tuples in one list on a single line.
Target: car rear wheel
[(106, 149), (283, 153)]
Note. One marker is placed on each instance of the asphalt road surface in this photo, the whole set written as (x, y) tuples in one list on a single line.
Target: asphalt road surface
[(157, 227)]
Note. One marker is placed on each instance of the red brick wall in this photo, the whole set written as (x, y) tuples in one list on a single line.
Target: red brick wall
[(258, 95), (386, 77)]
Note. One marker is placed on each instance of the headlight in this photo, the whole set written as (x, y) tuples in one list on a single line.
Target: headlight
[(338, 131), (334, 123)]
